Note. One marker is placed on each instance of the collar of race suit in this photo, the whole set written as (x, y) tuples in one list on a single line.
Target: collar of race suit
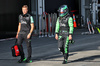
[(64, 17)]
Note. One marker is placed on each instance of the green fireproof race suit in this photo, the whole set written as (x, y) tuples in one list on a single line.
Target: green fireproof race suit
[(64, 27)]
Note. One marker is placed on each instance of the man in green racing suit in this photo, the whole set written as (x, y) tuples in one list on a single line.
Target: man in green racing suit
[(64, 27)]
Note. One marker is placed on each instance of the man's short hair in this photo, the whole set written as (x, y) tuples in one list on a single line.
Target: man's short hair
[(25, 6)]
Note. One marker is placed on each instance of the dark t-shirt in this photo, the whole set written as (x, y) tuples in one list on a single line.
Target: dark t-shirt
[(25, 22)]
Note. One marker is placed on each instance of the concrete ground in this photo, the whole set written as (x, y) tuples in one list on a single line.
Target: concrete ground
[(85, 52)]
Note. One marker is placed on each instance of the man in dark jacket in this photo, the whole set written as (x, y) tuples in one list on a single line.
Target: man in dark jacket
[(25, 29)]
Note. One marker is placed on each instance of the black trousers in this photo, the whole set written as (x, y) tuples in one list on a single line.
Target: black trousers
[(63, 45), (21, 38)]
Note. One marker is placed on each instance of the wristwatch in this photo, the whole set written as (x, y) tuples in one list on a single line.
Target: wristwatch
[(30, 33)]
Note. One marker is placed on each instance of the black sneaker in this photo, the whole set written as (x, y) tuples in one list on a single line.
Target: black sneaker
[(28, 61), (21, 60), (64, 62)]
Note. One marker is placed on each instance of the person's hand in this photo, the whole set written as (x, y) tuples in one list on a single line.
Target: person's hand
[(28, 36), (70, 37), (17, 36), (56, 37)]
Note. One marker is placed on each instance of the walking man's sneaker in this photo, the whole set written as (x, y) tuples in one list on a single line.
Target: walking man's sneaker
[(64, 62)]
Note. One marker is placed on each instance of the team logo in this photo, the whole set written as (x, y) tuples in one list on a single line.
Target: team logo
[(17, 50), (23, 22), (63, 25), (27, 18)]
